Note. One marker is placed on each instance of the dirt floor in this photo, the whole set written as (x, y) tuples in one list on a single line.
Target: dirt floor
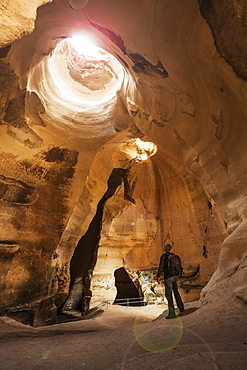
[(131, 338)]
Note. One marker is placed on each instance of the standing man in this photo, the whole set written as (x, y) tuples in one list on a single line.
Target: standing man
[(170, 265)]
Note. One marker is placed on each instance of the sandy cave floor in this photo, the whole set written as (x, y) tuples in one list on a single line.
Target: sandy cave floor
[(129, 338)]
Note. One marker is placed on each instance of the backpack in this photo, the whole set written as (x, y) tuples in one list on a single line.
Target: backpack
[(174, 265)]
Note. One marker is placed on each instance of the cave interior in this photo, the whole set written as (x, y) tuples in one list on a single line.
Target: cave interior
[(123, 127)]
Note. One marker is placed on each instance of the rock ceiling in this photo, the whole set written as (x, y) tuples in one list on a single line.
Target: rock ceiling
[(109, 151)]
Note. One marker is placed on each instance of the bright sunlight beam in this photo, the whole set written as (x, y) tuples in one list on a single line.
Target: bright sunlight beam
[(84, 46)]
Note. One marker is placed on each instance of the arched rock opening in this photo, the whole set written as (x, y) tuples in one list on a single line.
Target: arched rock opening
[(127, 292)]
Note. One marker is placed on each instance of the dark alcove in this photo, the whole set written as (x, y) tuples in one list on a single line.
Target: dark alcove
[(127, 292)]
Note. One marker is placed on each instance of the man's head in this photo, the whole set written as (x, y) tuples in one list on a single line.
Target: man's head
[(167, 247)]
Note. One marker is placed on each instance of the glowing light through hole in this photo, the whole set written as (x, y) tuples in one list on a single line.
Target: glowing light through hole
[(83, 75), (141, 150), (83, 45)]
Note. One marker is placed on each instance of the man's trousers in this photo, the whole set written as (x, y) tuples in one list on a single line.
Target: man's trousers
[(171, 285)]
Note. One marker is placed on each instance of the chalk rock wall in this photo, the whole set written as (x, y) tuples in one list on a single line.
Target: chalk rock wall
[(17, 19), (171, 205), (180, 85)]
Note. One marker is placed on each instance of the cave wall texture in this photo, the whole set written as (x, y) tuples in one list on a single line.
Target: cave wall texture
[(178, 80)]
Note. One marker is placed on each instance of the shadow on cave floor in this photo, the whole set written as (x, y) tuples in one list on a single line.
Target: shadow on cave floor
[(96, 311), (78, 316), (128, 338), (187, 311)]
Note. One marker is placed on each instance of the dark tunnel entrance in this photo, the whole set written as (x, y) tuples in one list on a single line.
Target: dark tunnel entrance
[(85, 255), (127, 292)]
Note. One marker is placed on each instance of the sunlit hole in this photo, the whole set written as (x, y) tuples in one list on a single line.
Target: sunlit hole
[(84, 46), (141, 150), (79, 85), (84, 73)]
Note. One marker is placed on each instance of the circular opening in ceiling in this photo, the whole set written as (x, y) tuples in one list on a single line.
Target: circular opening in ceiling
[(85, 71), (79, 84)]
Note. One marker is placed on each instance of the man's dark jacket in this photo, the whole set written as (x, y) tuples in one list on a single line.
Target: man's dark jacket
[(163, 266)]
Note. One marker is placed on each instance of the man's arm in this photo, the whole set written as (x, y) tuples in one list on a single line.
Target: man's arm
[(161, 268)]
